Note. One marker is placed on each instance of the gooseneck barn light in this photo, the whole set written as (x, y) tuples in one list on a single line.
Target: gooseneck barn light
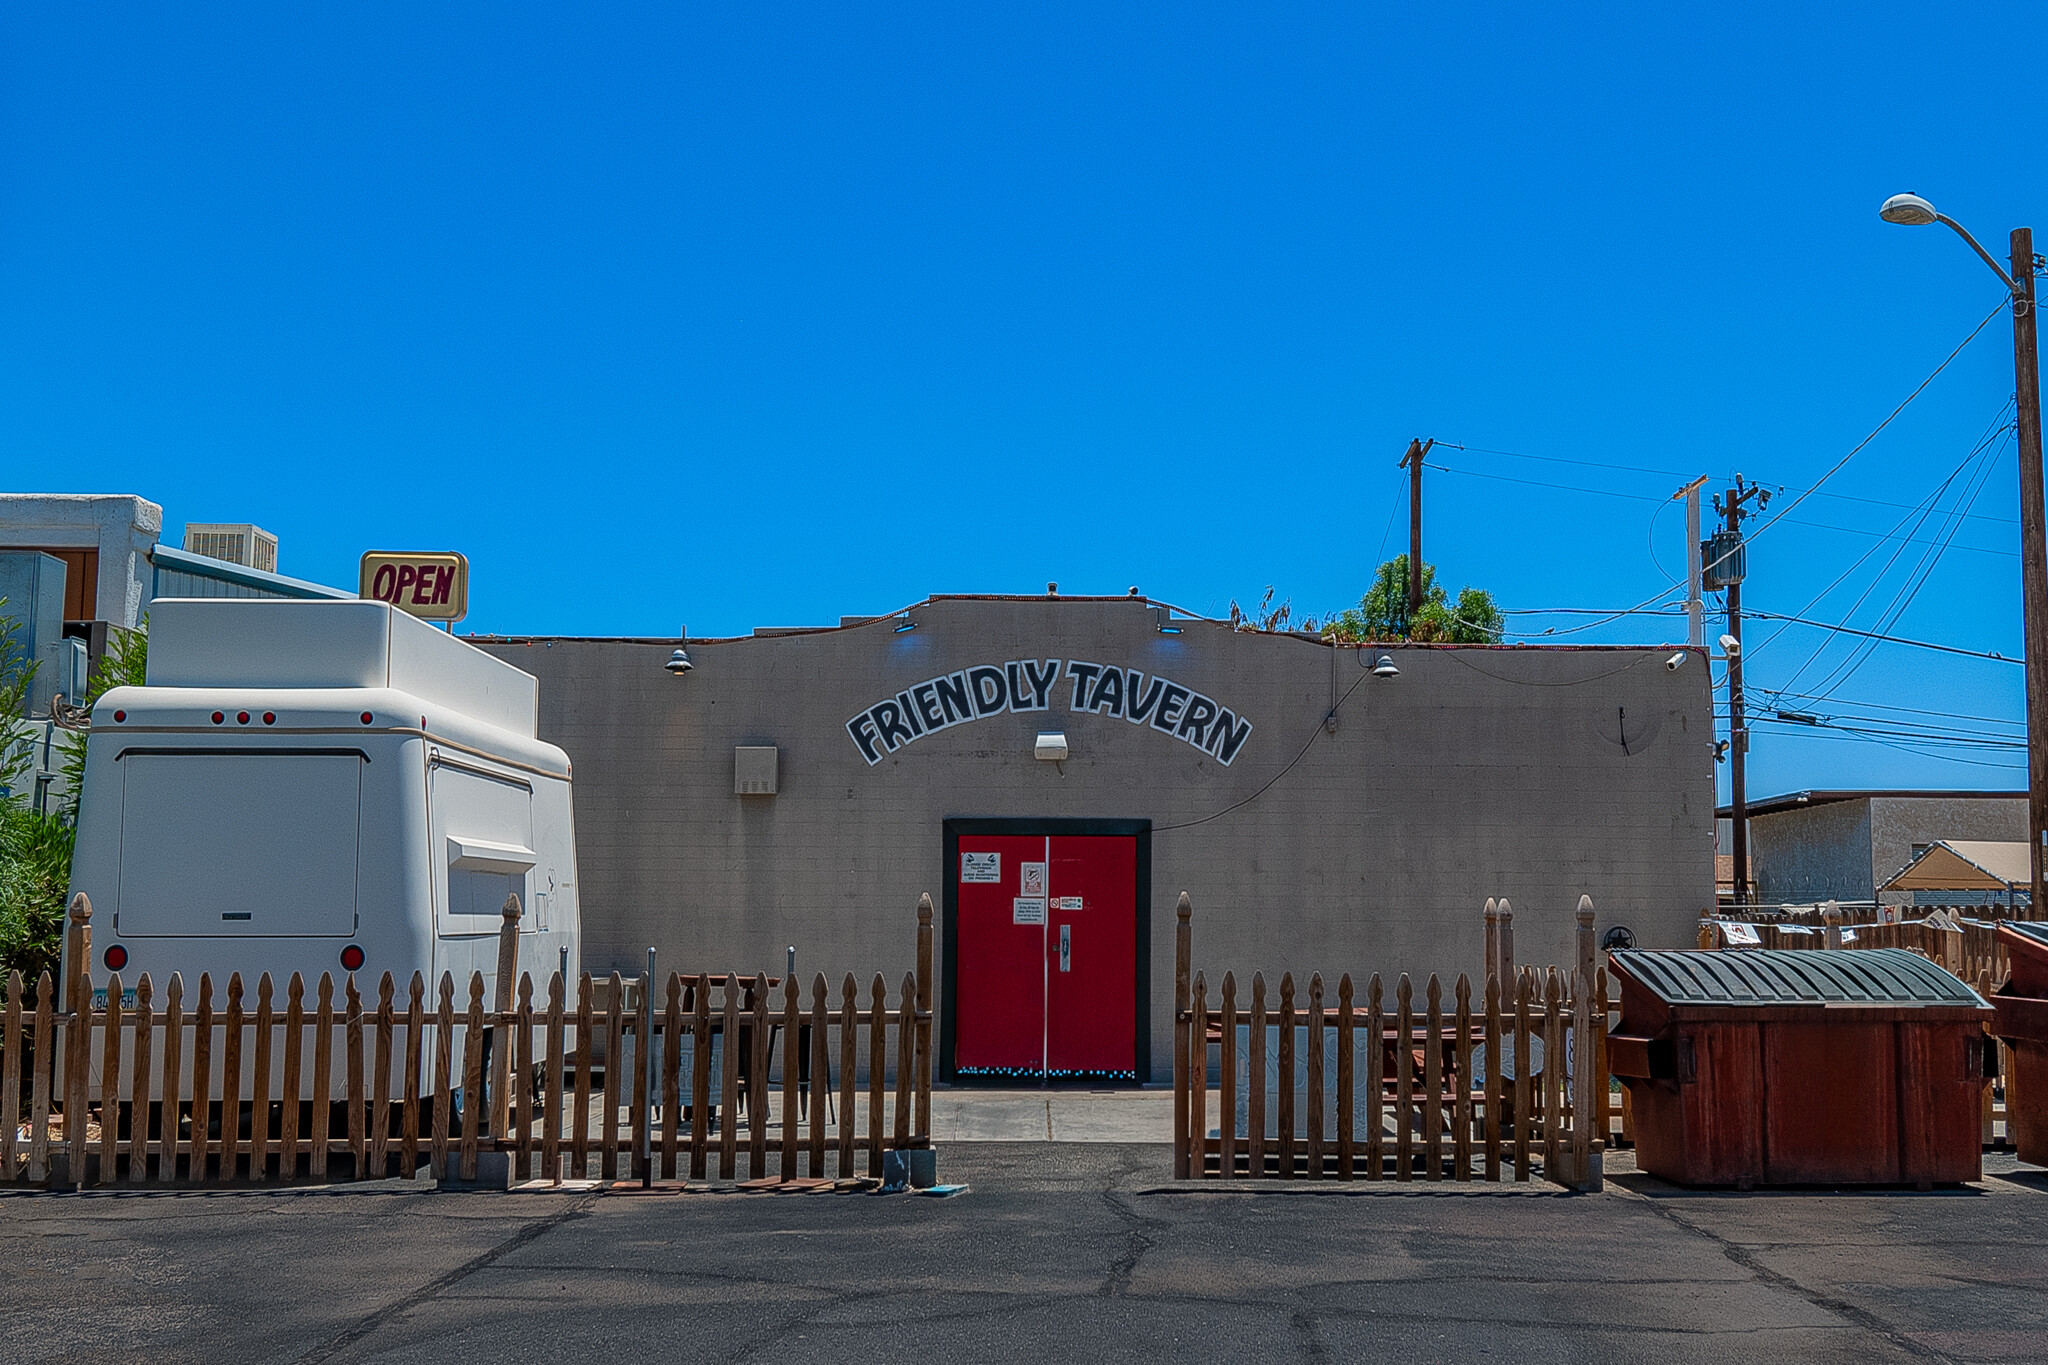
[(1383, 667), (679, 663)]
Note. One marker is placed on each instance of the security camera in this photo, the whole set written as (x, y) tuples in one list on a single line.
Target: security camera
[(1730, 645), (1676, 661)]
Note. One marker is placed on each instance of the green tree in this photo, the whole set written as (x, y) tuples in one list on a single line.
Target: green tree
[(1382, 614), (35, 848), (125, 663)]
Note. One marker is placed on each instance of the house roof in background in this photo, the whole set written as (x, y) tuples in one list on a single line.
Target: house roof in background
[(1965, 865)]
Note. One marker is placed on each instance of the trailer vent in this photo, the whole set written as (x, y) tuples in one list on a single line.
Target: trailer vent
[(753, 770)]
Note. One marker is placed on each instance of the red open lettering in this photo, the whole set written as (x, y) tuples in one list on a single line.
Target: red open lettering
[(381, 586)]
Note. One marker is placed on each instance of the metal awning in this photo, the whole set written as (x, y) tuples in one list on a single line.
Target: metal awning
[(1780, 976)]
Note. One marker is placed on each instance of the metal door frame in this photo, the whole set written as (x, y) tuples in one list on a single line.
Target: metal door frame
[(1047, 827)]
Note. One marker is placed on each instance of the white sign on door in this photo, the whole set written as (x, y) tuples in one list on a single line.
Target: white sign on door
[(1066, 903), (981, 867), (1031, 879), (1027, 910)]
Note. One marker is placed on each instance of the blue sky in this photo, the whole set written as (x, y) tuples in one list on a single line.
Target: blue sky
[(669, 316)]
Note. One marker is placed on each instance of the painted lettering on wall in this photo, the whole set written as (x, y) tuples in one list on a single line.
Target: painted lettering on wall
[(1027, 685)]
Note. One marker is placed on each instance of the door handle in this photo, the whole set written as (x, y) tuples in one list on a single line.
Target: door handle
[(1066, 947)]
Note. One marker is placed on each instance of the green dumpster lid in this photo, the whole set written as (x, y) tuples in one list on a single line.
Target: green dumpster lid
[(2033, 929), (1794, 976)]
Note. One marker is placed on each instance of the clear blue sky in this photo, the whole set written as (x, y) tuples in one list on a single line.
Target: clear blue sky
[(728, 319)]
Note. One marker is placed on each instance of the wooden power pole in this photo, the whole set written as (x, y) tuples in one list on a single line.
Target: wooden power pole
[(1727, 570), (2026, 364), (1412, 462)]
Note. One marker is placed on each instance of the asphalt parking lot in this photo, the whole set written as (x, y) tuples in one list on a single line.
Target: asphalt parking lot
[(1059, 1252)]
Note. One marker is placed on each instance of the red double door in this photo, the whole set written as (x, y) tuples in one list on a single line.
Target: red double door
[(1046, 957)]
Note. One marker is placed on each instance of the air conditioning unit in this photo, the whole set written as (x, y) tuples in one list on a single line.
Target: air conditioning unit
[(235, 542)]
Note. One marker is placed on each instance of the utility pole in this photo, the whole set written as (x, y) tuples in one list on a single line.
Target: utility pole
[(2026, 364), (1695, 609), (1724, 568), (1412, 462), (1910, 210)]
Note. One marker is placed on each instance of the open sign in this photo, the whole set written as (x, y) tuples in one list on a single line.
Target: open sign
[(431, 584)]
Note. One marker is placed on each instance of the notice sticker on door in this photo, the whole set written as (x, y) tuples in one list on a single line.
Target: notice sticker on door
[(1027, 910), (1066, 903), (981, 867), (1031, 879)]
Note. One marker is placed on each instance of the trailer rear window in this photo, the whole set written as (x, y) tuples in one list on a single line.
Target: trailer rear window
[(242, 844)]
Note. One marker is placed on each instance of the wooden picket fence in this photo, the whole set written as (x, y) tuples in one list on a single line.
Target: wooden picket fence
[(1421, 1110), (95, 1090), (1970, 951)]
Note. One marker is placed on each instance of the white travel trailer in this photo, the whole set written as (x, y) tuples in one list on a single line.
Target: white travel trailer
[(322, 786)]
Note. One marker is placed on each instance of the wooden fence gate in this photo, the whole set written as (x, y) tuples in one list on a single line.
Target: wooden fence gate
[(202, 1090), (1468, 1086)]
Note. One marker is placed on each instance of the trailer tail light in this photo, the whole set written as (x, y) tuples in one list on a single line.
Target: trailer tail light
[(367, 717), (352, 958), (218, 717), (120, 716), (116, 958), (270, 717), (241, 717)]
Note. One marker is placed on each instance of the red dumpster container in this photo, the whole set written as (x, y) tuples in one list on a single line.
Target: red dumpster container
[(1813, 1067), (2022, 1005)]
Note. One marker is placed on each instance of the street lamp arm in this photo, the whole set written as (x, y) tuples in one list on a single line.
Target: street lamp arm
[(1987, 257)]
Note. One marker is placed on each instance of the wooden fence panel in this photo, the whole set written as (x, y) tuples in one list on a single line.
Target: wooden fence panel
[(672, 1077), (263, 1077), (1347, 1089), (558, 1083), (729, 1082), (415, 1044), (323, 1075), (700, 1080), (39, 1087), (172, 1090), (1198, 1074), (821, 1080), (1226, 1097), (110, 1084), (1461, 1098), (1520, 1114), (1315, 1077), (1433, 1080), (1255, 1079), (1375, 1082), (1283, 1132), (1404, 1071), (849, 1062), (10, 1079), (230, 1080), (614, 1060), (878, 1053)]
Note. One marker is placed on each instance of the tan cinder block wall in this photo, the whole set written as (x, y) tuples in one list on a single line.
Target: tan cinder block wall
[(1475, 773)]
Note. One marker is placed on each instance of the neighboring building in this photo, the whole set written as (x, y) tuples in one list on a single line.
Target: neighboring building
[(800, 788), (74, 566), (1967, 874), (1815, 846)]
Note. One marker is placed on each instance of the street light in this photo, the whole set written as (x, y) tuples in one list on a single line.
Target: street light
[(1910, 210)]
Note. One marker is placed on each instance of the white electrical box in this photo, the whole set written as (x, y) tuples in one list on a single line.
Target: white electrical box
[(753, 770)]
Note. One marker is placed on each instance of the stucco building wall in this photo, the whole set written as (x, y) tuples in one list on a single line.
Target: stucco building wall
[(1537, 774)]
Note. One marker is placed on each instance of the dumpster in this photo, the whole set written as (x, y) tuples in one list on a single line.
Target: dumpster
[(1811, 1067), (2022, 1020)]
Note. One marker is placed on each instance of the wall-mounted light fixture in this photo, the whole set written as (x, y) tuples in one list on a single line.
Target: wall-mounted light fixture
[(679, 663), (905, 623), (1051, 746), (1383, 667)]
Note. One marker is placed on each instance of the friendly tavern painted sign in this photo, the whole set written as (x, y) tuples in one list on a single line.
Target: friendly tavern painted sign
[(1026, 685)]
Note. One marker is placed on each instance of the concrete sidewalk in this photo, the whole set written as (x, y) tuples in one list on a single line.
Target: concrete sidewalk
[(1052, 1115), (1079, 1251)]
